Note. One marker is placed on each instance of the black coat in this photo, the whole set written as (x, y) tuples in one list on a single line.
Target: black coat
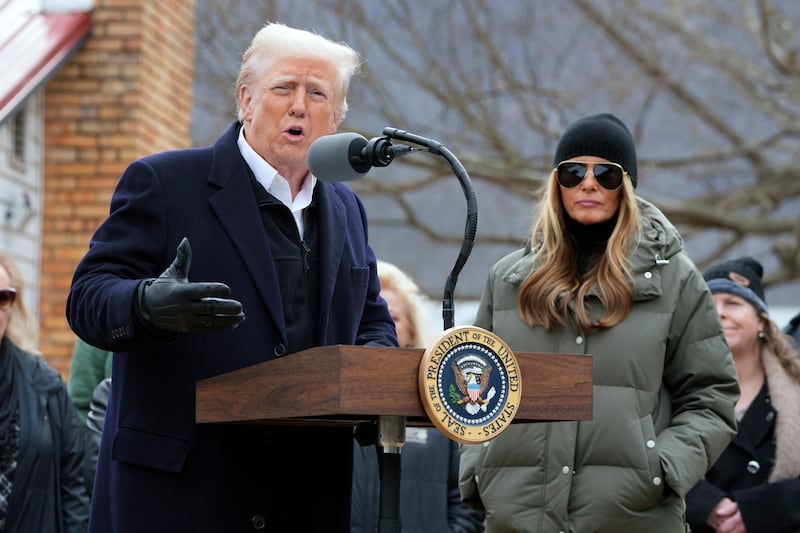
[(430, 501), (49, 494), (158, 470), (741, 474)]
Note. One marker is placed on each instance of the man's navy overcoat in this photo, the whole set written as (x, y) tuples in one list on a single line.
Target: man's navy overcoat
[(157, 469)]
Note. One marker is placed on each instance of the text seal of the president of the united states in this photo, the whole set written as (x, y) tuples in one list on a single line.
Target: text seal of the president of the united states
[(469, 384)]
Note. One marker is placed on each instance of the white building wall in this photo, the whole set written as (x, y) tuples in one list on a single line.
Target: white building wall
[(21, 197)]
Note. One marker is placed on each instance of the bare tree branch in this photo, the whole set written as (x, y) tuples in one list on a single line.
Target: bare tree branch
[(710, 88)]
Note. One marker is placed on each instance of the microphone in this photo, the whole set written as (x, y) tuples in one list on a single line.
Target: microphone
[(349, 156)]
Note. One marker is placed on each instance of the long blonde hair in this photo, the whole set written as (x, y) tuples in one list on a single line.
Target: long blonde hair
[(782, 346), (21, 328), (544, 297)]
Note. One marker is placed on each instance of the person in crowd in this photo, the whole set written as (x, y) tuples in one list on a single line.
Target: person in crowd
[(41, 442), (95, 420), (604, 274), (252, 233), (754, 486), (793, 330), (430, 500), (88, 367)]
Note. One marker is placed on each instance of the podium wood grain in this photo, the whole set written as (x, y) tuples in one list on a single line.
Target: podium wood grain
[(343, 385)]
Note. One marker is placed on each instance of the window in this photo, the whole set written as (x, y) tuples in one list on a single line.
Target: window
[(18, 136)]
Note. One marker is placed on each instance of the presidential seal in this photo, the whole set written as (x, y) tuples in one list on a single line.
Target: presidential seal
[(469, 384)]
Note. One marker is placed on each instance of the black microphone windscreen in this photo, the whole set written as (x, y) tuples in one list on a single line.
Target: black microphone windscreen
[(337, 157)]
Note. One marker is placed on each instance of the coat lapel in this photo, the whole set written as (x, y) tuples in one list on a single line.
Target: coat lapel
[(332, 227), (235, 206), (756, 426)]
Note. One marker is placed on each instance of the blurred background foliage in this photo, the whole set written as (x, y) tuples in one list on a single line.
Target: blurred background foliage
[(709, 88)]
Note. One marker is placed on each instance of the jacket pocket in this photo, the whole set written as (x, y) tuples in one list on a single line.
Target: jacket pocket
[(151, 450), (359, 275)]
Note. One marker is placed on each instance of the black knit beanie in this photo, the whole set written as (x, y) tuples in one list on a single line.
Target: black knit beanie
[(602, 135), (741, 277)]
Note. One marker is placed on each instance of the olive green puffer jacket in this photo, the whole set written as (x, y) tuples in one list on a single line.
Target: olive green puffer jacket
[(663, 405)]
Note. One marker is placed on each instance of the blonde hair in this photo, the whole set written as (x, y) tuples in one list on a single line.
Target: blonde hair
[(21, 328), (782, 346), (545, 295), (279, 41), (392, 278)]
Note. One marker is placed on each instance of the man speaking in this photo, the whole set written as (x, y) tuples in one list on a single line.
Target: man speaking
[(218, 258)]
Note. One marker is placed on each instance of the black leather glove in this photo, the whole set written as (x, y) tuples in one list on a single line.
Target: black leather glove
[(171, 303)]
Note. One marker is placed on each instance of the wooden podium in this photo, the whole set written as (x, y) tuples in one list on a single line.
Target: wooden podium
[(346, 385)]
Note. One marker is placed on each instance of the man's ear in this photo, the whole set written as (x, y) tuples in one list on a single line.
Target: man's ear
[(335, 121), (245, 101)]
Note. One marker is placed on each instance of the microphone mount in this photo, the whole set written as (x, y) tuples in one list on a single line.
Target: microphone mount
[(379, 152), (471, 225)]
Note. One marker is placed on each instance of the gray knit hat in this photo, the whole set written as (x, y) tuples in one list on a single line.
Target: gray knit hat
[(741, 277), (602, 135)]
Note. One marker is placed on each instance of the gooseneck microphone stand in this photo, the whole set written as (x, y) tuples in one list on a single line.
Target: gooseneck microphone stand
[(391, 430), (471, 226)]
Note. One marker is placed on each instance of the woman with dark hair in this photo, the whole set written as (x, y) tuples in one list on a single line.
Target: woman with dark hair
[(604, 273), (41, 442), (754, 486)]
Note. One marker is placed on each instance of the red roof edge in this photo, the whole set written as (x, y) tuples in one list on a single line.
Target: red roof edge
[(66, 33)]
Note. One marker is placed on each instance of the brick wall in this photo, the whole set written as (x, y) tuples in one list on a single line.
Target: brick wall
[(126, 93)]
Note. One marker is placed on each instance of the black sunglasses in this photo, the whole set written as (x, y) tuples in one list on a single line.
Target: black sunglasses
[(7, 297), (608, 175)]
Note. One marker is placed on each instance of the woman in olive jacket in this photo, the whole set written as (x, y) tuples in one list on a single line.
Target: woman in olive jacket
[(605, 276)]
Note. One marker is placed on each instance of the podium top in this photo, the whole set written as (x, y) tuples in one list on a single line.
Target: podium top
[(345, 385)]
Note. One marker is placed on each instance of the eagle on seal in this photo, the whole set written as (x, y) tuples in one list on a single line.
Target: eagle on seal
[(472, 380)]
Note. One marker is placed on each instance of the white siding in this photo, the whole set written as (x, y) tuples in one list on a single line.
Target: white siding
[(21, 197)]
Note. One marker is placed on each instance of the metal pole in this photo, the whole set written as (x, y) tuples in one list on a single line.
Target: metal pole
[(390, 439)]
